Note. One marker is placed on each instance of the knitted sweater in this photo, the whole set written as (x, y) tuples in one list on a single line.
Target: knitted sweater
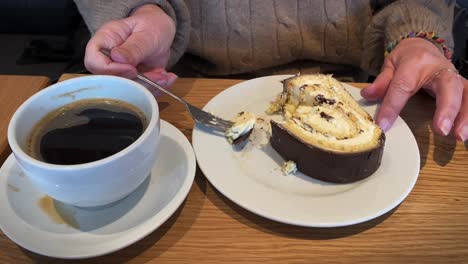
[(223, 37)]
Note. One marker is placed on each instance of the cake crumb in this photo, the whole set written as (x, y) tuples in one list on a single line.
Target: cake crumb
[(289, 167)]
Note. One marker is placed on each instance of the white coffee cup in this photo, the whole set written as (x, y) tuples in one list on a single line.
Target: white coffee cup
[(96, 183)]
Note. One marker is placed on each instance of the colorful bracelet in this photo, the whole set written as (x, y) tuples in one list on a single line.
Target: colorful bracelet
[(431, 36)]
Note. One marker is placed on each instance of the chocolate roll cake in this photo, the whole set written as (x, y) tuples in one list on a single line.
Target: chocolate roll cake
[(326, 133)]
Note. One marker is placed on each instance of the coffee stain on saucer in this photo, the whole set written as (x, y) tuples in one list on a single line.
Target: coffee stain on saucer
[(57, 212), (72, 94), (13, 188)]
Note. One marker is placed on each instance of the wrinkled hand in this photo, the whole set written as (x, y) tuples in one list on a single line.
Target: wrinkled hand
[(410, 67), (140, 42)]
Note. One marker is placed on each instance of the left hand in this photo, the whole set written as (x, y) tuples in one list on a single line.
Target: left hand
[(410, 67)]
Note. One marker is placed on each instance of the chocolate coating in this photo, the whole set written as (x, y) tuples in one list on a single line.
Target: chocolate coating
[(323, 164), (242, 138)]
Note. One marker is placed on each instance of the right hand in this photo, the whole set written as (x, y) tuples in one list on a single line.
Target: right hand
[(412, 65), (140, 42)]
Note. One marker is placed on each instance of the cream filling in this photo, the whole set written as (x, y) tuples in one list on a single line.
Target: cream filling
[(360, 141), (243, 123)]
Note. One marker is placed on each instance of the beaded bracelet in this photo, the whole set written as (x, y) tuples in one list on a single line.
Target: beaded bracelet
[(431, 36)]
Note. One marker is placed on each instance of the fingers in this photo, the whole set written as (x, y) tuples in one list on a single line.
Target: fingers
[(136, 48), (461, 123), (403, 85), (378, 88), (171, 79), (101, 64), (161, 77), (109, 36), (448, 89), (155, 61)]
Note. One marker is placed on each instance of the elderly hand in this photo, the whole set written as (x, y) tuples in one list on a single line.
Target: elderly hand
[(140, 42), (412, 65)]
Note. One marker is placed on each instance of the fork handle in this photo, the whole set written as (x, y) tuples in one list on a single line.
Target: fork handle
[(159, 87), (142, 77)]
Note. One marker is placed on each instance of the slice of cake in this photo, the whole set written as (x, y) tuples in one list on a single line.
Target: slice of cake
[(326, 133)]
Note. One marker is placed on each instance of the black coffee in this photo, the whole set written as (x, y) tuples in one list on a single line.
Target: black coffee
[(86, 131)]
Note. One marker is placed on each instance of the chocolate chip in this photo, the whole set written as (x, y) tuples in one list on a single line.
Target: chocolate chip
[(321, 99), (308, 128), (326, 116), (304, 126)]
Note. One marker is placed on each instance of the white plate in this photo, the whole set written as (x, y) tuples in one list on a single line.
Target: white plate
[(101, 230), (252, 179)]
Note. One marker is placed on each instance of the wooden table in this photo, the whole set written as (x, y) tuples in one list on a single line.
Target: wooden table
[(430, 226), (14, 90)]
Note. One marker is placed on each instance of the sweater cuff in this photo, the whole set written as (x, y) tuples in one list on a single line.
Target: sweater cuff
[(399, 19), (96, 13)]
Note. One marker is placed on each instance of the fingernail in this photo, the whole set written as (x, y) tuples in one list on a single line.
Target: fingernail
[(464, 133), (172, 76), (163, 83), (445, 126), (384, 124)]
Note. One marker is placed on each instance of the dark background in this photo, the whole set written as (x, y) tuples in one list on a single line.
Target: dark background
[(48, 38), (44, 38)]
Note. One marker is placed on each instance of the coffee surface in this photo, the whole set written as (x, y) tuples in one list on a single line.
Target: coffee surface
[(86, 131)]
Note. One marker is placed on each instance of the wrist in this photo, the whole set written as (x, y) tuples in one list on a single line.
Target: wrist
[(420, 44), (423, 37)]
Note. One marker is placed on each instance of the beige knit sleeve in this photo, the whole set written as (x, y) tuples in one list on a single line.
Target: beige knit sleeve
[(97, 12), (400, 18)]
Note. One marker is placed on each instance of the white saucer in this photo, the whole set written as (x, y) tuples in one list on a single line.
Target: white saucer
[(97, 231), (252, 178)]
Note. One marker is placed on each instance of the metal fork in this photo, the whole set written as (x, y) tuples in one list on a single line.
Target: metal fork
[(198, 115)]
